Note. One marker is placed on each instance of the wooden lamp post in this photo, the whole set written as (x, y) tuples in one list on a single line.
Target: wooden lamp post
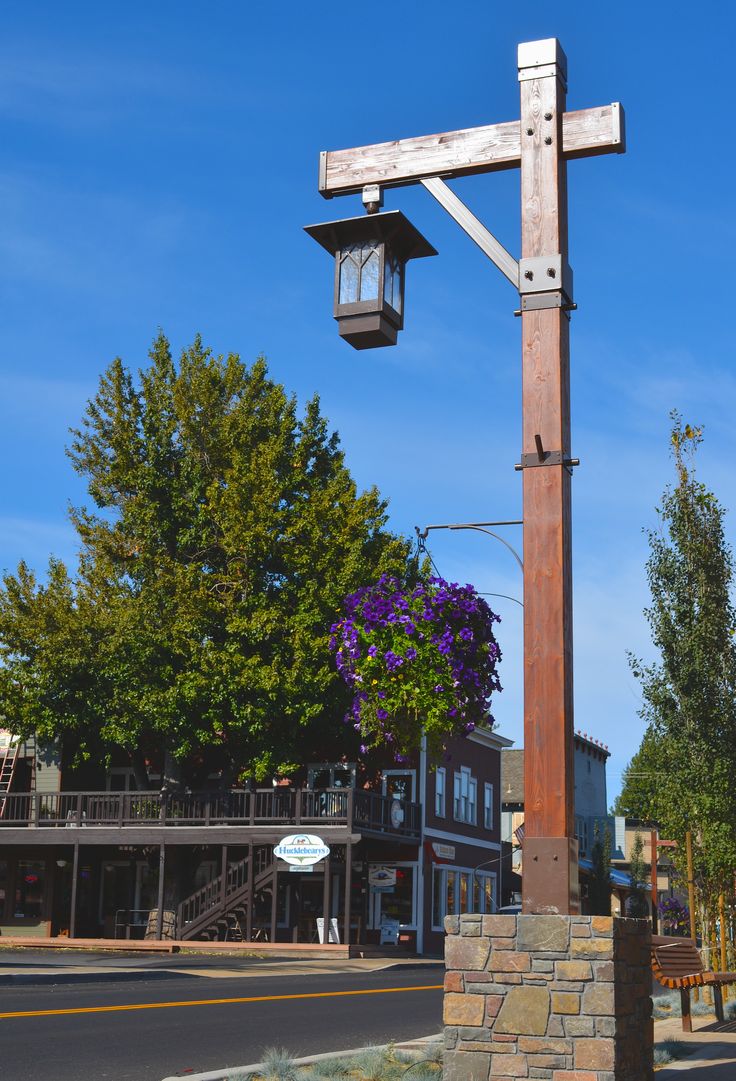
[(539, 144)]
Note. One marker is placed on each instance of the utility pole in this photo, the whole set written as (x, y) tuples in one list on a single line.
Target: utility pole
[(539, 144)]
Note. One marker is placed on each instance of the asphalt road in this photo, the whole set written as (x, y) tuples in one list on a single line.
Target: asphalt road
[(104, 1043)]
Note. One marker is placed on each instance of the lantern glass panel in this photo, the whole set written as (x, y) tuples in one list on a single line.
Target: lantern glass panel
[(392, 283), (349, 275), (369, 274)]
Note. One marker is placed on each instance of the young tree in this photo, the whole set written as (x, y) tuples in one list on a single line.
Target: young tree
[(689, 694), (225, 532), (637, 903), (599, 890)]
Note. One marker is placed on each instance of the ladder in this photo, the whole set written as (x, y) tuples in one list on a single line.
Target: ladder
[(7, 769)]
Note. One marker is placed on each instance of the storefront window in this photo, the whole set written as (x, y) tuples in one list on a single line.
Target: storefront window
[(455, 891), (29, 884), (399, 905), (3, 885)]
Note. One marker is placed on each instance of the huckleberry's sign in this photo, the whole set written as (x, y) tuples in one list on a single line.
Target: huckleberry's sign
[(301, 849)]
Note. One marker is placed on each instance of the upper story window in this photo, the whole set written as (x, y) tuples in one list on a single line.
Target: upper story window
[(465, 802), (488, 806), (439, 792)]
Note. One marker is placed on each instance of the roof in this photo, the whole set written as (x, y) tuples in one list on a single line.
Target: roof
[(582, 739), (512, 776), (489, 738), (618, 878)]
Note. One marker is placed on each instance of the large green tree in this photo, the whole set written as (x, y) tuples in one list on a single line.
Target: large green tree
[(225, 532), (689, 693)]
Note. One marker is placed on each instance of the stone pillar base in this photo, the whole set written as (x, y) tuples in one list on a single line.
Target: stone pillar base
[(564, 998)]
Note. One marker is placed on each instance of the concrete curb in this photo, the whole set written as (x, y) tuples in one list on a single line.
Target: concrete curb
[(234, 1072)]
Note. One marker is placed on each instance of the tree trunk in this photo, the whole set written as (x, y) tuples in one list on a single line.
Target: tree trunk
[(172, 779), (140, 770)]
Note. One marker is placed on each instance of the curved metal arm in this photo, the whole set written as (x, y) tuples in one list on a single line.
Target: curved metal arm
[(480, 527), (490, 533)]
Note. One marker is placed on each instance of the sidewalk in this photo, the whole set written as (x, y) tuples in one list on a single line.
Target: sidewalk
[(713, 1045), (39, 967)]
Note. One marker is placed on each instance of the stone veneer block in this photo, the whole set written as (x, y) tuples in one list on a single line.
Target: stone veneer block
[(543, 934), (524, 1012), (505, 1021)]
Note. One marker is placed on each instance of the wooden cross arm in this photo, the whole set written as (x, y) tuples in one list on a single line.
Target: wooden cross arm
[(461, 153)]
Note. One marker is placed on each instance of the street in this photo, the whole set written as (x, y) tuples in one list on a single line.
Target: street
[(144, 1030)]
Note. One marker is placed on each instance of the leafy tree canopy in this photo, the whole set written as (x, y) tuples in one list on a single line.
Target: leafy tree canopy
[(225, 531), (689, 693)]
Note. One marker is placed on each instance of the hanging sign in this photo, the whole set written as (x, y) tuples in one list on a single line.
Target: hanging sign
[(301, 849), (443, 852), (382, 878)]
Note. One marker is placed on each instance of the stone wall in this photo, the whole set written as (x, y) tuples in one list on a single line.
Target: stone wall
[(566, 998)]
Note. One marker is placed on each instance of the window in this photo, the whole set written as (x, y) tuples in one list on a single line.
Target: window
[(461, 889), (465, 794), (439, 792), (29, 888), (488, 806), (581, 832), (399, 784)]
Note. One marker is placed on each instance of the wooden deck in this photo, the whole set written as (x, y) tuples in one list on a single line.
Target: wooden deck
[(179, 818)]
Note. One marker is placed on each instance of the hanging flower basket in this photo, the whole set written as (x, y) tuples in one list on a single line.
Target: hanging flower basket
[(419, 661)]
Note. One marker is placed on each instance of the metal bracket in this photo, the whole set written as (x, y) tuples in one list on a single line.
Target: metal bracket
[(538, 301), (545, 274), (545, 457)]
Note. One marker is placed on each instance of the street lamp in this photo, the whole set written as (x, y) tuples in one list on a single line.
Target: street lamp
[(371, 253), (539, 142)]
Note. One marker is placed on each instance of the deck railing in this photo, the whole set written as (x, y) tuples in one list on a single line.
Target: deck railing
[(363, 810)]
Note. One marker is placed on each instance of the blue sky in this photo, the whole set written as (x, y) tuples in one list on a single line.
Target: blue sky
[(159, 161)]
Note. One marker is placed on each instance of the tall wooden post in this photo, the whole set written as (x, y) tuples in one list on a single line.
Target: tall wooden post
[(348, 888), (690, 882), (653, 878), (722, 925), (550, 880), (75, 876), (251, 898), (274, 898), (326, 900), (161, 890)]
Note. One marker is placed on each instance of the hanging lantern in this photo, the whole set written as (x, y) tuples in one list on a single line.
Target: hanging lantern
[(371, 253)]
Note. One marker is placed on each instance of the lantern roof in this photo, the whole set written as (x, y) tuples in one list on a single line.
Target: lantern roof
[(405, 241)]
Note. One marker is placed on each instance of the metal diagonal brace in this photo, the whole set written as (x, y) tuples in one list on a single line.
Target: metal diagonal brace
[(475, 229)]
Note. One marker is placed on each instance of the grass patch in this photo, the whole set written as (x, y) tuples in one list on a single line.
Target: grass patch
[(669, 1051), (668, 1005), (368, 1064)]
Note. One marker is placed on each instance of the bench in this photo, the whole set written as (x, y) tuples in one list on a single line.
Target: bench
[(677, 964)]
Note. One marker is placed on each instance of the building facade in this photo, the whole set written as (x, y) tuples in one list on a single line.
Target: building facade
[(418, 843)]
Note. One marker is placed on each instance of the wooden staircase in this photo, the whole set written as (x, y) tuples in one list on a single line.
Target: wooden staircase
[(7, 770), (217, 914)]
